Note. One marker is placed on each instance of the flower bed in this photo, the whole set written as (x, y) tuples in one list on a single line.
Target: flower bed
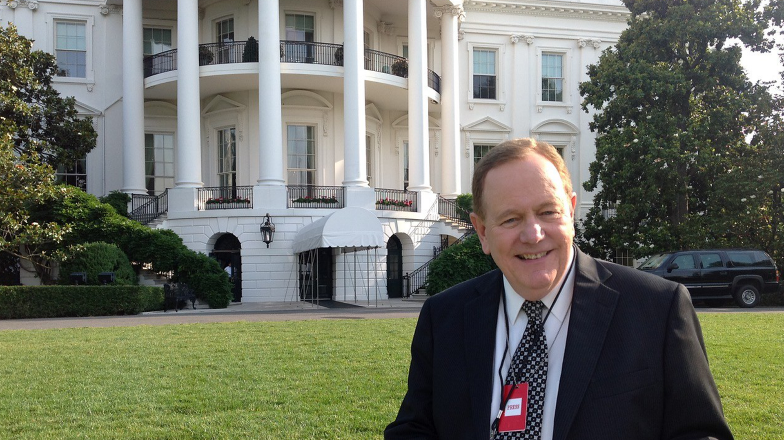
[(393, 202), (322, 199), (226, 200)]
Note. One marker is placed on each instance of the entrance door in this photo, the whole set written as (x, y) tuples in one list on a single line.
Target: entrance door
[(394, 268), (315, 275), (227, 251)]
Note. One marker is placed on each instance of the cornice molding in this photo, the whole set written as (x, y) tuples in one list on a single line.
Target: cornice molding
[(546, 8)]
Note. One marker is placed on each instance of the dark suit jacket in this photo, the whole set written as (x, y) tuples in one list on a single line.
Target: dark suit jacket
[(634, 368)]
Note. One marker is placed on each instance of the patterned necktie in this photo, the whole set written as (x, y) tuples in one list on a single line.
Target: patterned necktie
[(529, 364)]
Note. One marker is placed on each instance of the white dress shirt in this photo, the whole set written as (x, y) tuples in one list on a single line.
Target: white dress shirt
[(555, 328)]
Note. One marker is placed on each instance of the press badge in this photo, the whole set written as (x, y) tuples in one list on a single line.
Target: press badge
[(513, 417)]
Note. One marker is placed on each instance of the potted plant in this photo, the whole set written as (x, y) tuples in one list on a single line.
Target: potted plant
[(400, 68), (251, 52), (205, 56), (339, 56)]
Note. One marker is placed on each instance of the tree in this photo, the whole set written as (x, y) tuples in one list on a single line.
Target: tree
[(673, 107), (25, 183), (47, 124)]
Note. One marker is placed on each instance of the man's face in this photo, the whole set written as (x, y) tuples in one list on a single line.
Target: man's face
[(528, 226)]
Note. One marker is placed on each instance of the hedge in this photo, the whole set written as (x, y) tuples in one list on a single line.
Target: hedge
[(23, 302), (458, 263)]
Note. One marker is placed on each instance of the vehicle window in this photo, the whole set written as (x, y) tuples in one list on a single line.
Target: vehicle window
[(654, 262), (684, 262), (762, 259), (711, 260), (741, 259)]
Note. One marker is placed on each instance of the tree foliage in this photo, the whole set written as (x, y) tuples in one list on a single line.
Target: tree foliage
[(47, 125), (672, 108)]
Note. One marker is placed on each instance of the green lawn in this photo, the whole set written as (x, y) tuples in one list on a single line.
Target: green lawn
[(340, 379)]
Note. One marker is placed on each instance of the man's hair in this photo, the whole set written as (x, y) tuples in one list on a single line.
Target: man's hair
[(511, 150)]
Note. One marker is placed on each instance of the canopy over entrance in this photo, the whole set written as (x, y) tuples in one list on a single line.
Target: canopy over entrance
[(355, 228)]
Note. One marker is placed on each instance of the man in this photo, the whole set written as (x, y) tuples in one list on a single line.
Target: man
[(610, 353)]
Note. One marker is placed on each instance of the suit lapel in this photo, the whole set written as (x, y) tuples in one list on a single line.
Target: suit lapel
[(479, 316), (593, 306)]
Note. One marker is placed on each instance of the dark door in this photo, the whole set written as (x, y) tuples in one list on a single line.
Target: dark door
[(394, 268), (315, 274), (716, 278), (227, 252), (684, 269)]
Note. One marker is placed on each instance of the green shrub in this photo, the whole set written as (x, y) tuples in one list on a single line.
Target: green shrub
[(251, 52), (94, 258), (205, 276), (25, 302), (458, 263), (466, 203), (118, 200)]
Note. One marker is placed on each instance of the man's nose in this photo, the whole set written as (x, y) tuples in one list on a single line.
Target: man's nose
[(531, 232)]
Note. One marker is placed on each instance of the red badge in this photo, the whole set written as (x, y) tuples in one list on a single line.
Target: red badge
[(513, 418)]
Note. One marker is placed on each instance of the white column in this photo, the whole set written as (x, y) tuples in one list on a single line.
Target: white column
[(271, 162), (187, 171), (450, 109), (354, 170), (133, 98), (418, 139)]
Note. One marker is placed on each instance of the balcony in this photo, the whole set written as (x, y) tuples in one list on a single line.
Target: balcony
[(312, 196), (396, 200), (225, 197), (298, 52)]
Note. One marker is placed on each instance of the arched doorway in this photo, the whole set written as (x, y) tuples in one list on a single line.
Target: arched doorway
[(394, 268), (227, 252)]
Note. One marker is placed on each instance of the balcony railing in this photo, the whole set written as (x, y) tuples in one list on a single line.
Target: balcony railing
[(312, 196), (225, 197), (396, 200), (146, 208), (307, 52)]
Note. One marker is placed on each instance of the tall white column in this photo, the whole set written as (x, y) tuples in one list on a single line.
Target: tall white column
[(354, 169), (133, 98), (418, 139), (271, 162), (187, 171), (450, 109)]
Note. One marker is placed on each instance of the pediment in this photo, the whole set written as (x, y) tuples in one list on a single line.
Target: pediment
[(160, 109), (371, 111), (221, 104), (487, 124), (556, 126), (402, 123), (304, 99), (84, 110)]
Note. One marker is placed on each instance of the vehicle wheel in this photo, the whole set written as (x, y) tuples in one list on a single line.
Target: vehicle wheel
[(747, 296)]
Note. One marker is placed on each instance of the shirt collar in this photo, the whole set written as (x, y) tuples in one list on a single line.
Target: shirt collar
[(514, 302)]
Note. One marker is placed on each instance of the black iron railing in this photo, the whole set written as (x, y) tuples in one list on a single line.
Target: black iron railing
[(417, 279), (311, 52), (146, 208), (396, 200), (312, 196), (448, 208), (225, 197)]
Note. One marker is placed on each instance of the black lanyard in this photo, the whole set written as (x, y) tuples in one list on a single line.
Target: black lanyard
[(540, 328)]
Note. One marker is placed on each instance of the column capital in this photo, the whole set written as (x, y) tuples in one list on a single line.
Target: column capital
[(386, 28), (516, 38), (107, 9), (585, 42), (335, 4), (31, 4), (456, 11)]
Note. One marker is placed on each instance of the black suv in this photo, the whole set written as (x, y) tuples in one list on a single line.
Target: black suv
[(741, 274)]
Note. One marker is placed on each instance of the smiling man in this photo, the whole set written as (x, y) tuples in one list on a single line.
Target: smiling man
[(554, 344)]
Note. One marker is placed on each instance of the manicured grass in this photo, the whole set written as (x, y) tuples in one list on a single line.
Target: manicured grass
[(331, 379)]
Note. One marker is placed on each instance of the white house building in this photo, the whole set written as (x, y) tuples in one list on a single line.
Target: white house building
[(351, 123)]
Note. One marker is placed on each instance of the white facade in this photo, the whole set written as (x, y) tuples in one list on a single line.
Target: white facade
[(325, 105)]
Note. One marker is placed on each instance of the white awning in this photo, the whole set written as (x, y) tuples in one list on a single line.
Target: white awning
[(347, 228)]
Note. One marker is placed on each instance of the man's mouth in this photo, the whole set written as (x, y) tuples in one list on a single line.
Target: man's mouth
[(532, 256)]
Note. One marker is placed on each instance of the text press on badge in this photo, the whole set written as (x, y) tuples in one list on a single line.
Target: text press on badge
[(513, 417)]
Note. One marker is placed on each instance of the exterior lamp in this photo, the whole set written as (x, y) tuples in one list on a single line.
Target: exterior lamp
[(267, 230)]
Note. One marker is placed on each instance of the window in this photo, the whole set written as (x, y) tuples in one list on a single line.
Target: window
[(74, 174), (227, 157), (158, 162), (552, 77), (300, 27), (157, 40), (369, 158), (480, 151), (224, 30), (405, 165), (711, 260), (71, 48), (301, 145), (484, 74), (684, 262)]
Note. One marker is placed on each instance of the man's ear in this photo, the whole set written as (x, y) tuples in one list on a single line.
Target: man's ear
[(574, 203), (480, 228)]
